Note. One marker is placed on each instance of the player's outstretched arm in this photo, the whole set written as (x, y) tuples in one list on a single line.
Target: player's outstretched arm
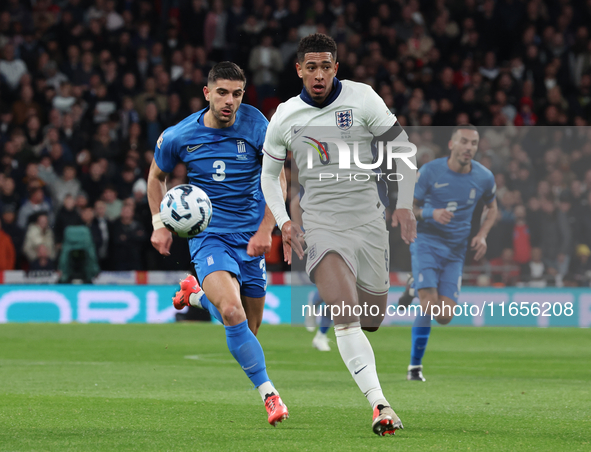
[(260, 243), (479, 241), (161, 237)]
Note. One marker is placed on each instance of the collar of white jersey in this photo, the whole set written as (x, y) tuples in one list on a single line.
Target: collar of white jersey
[(337, 87)]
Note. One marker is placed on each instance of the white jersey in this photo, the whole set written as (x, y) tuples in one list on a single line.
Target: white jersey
[(335, 191)]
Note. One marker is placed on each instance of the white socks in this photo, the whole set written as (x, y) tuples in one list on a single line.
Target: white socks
[(266, 388), (359, 358), (195, 299)]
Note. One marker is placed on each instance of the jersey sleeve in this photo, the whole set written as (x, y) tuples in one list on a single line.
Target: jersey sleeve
[(165, 154), (422, 185), (274, 145), (490, 192), (378, 116)]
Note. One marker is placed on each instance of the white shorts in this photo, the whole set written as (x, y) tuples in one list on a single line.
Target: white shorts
[(365, 249)]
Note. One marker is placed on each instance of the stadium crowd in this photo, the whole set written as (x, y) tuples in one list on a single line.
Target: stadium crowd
[(86, 88)]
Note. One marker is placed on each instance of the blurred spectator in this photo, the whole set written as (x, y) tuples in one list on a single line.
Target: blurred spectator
[(43, 262), (11, 228), (9, 198), (11, 68), (521, 237), (34, 205), (102, 145), (556, 237), (266, 64), (103, 106), (175, 113), (128, 116), (584, 230), (112, 203), (499, 237), (126, 244), (152, 126), (39, 233), (71, 135), (150, 95), (88, 220), (25, 106), (580, 268), (68, 184), (94, 182), (7, 251), (504, 269), (534, 273), (64, 101), (215, 30), (100, 212), (525, 115), (66, 216), (125, 183)]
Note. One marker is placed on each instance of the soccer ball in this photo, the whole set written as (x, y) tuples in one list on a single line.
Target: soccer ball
[(186, 210)]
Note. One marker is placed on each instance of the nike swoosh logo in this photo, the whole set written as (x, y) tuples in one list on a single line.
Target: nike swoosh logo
[(250, 367), (440, 185), (357, 371), (194, 148), (296, 131)]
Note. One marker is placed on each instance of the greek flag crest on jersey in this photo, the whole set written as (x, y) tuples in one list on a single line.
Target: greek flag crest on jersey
[(344, 119)]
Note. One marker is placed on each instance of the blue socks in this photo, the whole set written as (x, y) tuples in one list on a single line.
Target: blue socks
[(325, 321), (247, 350), (421, 329), (316, 300), (211, 308)]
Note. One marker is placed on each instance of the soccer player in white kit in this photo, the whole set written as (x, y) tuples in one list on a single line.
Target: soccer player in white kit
[(343, 218)]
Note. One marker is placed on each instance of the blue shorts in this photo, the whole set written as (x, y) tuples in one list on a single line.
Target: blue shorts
[(227, 252), (435, 265)]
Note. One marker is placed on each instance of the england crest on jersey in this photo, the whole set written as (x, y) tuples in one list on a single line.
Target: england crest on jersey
[(344, 119)]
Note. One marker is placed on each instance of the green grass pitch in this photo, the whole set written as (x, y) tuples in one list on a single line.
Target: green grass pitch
[(176, 387)]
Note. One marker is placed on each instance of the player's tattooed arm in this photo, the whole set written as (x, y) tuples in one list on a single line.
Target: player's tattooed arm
[(161, 237), (260, 243), (479, 241)]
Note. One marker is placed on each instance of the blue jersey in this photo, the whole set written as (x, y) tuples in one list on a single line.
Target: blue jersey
[(225, 163), (439, 187)]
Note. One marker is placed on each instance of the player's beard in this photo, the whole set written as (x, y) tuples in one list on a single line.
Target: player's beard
[(221, 118)]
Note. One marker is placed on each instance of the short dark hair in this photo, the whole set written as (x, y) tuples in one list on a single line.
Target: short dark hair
[(462, 127), (316, 43), (226, 70)]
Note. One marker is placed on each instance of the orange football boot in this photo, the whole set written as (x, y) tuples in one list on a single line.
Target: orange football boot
[(276, 409), (188, 286), (385, 421)]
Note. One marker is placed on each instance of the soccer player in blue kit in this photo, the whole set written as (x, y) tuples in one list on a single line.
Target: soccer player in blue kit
[(446, 193), (222, 148)]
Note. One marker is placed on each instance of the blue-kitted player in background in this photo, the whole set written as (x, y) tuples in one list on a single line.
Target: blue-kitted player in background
[(222, 148), (320, 341), (446, 193)]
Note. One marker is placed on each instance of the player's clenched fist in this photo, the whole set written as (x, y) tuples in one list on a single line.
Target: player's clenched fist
[(259, 244), (442, 216), (162, 240)]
